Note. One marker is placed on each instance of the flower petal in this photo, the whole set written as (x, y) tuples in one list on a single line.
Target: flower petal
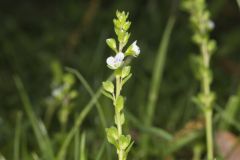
[(119, 57), (110, 61), (135, 48)]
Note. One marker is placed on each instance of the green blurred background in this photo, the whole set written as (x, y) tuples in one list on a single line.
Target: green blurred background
[(39, 39)]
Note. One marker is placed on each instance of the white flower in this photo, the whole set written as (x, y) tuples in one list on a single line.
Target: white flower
[(115, 62), (210, 24), (135, 48)]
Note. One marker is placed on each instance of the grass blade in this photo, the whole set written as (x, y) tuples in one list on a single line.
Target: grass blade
[(38, 128), (177, 144), (16, 150), (100, 152), (90, 91), (157, 78), (150, 130), (76, 147), (238, 2)]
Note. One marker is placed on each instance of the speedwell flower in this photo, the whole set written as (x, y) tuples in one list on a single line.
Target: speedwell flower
[(115, 62), (133, 49)]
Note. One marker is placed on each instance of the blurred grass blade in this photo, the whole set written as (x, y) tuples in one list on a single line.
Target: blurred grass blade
[(2, 157), (226, 118), (101, 150), (35, 156), (77, 146), (158, 71), (238, 2), (82, 147), (16, 151), (150, 130), (179, 143), (230, 111), (157, 77), (38, 128), (90, 91)]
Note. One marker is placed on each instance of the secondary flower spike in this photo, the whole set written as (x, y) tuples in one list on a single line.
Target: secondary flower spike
[(115, 62)]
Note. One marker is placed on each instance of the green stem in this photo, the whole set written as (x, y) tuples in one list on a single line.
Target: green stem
[(208, 108), (118, 120), (208, 117)]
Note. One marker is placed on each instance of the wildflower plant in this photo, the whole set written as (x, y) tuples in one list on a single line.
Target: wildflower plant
[(115, 135), (202, 25)]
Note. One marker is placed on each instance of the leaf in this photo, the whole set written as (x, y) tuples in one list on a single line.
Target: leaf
[(126, 79), (112, 135), (128, 149), (126, 71), (124, 141), (112, 44), (122, 119), (119, 103), (108, 86), (107, 94)]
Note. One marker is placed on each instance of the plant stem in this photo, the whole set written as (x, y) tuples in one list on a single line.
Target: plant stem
[(118, 115), (208, 108), (208, 118)]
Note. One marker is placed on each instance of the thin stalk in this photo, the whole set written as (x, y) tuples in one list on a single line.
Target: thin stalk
[(118, 121), (208, 108), (208, 118)]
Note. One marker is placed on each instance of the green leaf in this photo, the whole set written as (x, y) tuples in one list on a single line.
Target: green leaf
[(127, 25), (112, 44), (108, 86), (126, 79), (112, 135), (107, 94), (124, 141), (126, 71), (68, 79), (212, 46), (128, 149), (122, 119), (119, 103)]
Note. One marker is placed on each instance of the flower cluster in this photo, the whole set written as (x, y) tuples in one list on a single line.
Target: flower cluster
[(121, 26)]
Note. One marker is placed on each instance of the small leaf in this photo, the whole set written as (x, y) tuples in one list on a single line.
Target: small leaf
[(126, 71), (128, 149), (122, 119), (119, 103), (69, 79), (124, 141), (126, 79), (126, 25), (73, 94), (107, 94), (112, 44), (112, 135), (108, 86), (212, 46)]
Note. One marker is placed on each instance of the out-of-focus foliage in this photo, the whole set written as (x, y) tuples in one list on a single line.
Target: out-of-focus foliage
[(38, 39)]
